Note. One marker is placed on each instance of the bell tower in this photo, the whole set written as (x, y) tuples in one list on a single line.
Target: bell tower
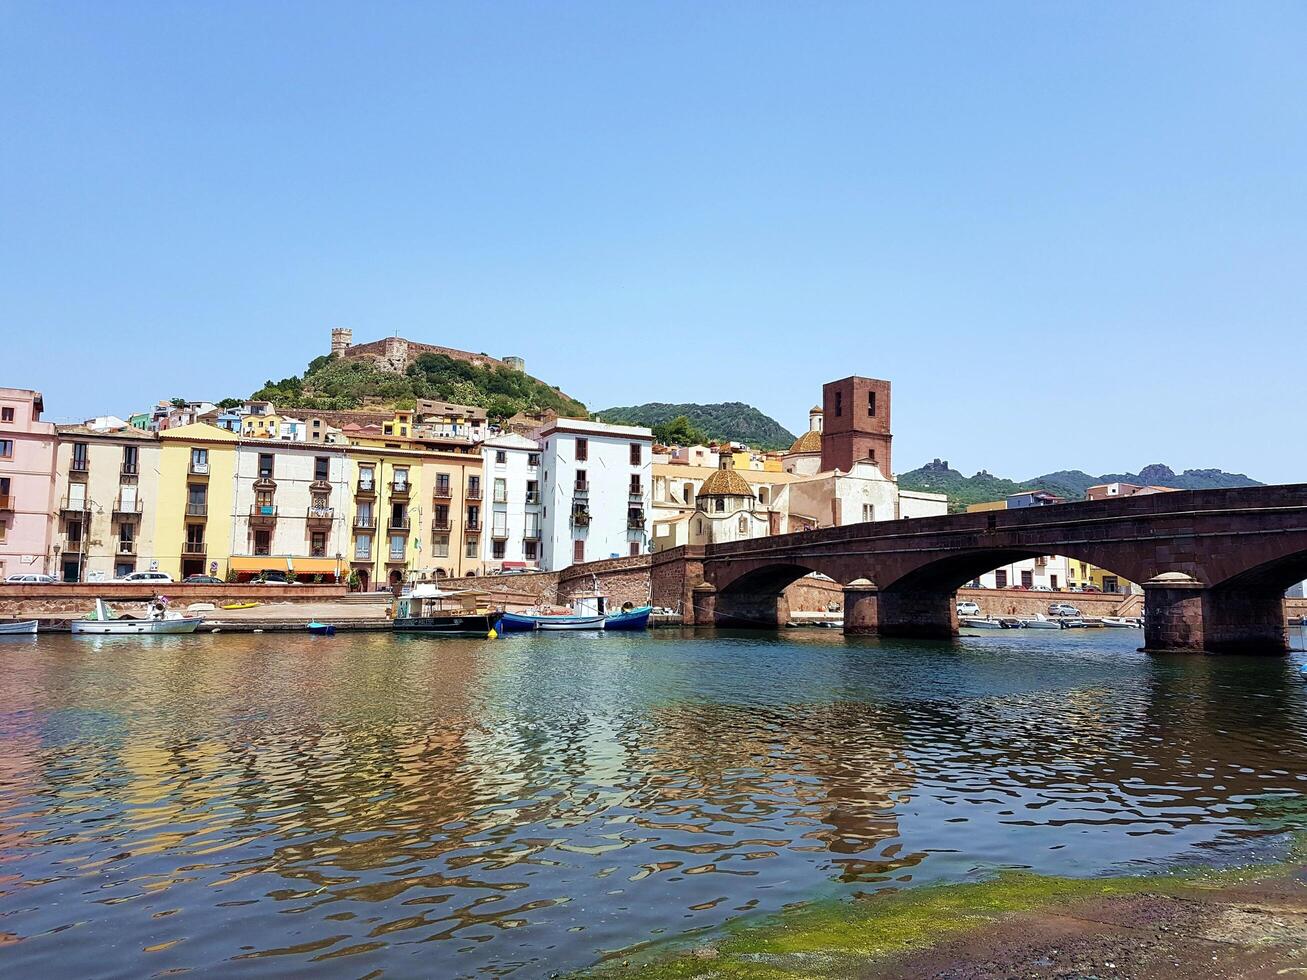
[(856, 424)]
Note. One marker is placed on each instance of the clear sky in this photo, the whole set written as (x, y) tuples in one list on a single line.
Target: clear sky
[(1072, 235)]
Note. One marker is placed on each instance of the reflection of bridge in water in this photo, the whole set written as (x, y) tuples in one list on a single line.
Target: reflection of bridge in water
[(1214, 565)]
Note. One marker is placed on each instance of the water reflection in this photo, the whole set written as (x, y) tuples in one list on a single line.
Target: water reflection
[(447, 808)]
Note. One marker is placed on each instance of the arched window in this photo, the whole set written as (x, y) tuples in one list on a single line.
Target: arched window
[(720, 505)]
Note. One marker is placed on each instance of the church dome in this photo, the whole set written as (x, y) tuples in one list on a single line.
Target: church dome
[(725, 483), (809, 442)]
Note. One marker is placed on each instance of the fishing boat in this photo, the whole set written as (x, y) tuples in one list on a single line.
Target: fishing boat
[(321, 629), (158, 620), (979, 623), (425, 608), (634, 619), (19, 627), (587, 613)]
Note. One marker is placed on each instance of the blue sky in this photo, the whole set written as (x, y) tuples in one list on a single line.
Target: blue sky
[(1071, 235)]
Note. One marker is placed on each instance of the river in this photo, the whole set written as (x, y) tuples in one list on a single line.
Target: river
[(283, 804)]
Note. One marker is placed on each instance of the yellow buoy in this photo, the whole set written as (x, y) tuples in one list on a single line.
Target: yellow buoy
[(492, 634)]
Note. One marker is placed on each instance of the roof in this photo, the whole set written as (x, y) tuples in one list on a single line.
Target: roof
[(140, 435), (815, 408), (677, 471), (809, 442), (726, 483)]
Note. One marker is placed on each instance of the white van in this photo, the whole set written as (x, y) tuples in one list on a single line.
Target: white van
[(30, 578)]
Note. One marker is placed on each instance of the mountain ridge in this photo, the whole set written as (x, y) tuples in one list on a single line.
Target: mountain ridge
[(718, 420)]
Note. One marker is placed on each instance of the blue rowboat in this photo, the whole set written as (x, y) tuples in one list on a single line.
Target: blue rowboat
[(632, 619), (322, 629), (518, 623), (513, 623)]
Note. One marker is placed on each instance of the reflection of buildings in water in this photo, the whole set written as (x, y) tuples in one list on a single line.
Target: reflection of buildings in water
[(837, 769)]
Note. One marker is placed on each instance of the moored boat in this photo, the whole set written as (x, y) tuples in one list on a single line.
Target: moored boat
[(461, 612), (629, 620), (980, 623), (19, 627), (159, 620), (1040, 622), (321, 629), (587, 613), (1122, 623)]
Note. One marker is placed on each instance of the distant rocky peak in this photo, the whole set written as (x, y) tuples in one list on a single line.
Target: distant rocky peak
[(1156, 474)]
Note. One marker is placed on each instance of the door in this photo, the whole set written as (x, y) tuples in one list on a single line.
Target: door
[(578, 551)]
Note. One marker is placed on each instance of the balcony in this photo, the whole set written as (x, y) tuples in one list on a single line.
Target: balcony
[(581, 487), (263, 515), (531, 534), (401, 526), (499, 533), (321, 515), (194, 549), (440, 525), (635, 521), (126, 547), (365, 522), (197, 510), (501, 498), (635, 493), (580, 518), (532, 497), (365, 488), (6, 501), (473, 524), (130, 469), (73, 546), (443, 491), (473, 493), (400, 488), (127, 508), (79, 464), (198, 469), (75, 505), (395, 558)]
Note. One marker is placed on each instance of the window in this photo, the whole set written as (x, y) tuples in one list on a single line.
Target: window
[(744, 524), (77, 496), (636, 489), (262, 542), (401, 477), (635, 454), (497, 549), (871, 404), (129, 460), (868, 512), (364, 518), (318, 544), (501, 457), (529, 550), (263, 501), (635, 548), (1052, 581), (1000, 579), (442, 515), (195, 536), (581, 482), (397, 547), (197, 500), (366, 474), (321, 467), (473, 547), (532, 459), (442, 485), (501, 524), (4, 527), (582, 450), (578, 550), (719, 505), (474, 517), (6, 449), (1027, 579), (440, 546), (501, 490), (533, 525), (265, 466), (532, 492), (363, 547), (126, 535), (398, 517), (6, 414), (839, 403), (74, 535), (474, 486)]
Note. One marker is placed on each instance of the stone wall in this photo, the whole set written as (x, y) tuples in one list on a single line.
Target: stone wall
[(19, 601), (622, 580)]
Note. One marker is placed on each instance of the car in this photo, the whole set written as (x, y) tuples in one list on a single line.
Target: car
[(30, 578), (202, 580), (1063, 609), (160, 578), (968, 608), (272, 577)]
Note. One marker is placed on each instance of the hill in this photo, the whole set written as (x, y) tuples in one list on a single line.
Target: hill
[(938, 477), (724, 420), (332, 383)]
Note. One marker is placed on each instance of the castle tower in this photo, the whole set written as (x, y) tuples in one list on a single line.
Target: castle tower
[(856, 424), (515, 363), (341, 339)]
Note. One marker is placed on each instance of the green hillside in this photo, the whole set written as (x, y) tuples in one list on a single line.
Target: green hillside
[(724, 420), (938, 477), (333, 383)]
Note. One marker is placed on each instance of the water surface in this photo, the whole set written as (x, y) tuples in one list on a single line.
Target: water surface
[(284, 804)]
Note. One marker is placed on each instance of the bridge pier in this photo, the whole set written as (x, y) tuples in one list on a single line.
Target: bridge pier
[(916, 613), (739, 610), (861, 608), (1181, 615)]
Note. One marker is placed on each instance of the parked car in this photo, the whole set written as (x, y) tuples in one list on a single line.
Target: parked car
[(968, 608), (159, 578), (202, 580), (275, 577), (1063, 609), (30, 578)]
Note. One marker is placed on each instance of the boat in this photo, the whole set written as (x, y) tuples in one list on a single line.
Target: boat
[(158, 620), (321, 629), (239, 605), (1122, 623), (425, 608), (979, 623), (1040, 622), (634, 619), (18, 627), (587, 613)]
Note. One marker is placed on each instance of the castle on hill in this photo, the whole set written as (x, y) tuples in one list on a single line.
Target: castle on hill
[(395, 354)]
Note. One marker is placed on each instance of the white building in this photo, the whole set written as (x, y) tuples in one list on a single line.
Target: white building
[(1046, 572), (292, 506), (595, 483), (511, 466)]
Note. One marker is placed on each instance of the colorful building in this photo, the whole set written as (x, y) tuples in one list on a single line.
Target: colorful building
[(195, 516), (27, 468)]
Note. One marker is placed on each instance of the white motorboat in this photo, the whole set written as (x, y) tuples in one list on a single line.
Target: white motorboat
[(1122, 623), (979, 623), (1040, 622), (158, 620), (19, 627)]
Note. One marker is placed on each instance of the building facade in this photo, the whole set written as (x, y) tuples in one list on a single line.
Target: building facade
[(197, 504), (511, 464), (595, 483), (27, 482)]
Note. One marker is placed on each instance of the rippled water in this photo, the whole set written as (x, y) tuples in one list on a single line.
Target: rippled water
[(286, 804)]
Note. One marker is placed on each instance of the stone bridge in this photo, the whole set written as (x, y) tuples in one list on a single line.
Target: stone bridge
[(1214, 565)]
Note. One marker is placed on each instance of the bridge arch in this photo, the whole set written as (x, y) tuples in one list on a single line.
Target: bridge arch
[(755, 598)]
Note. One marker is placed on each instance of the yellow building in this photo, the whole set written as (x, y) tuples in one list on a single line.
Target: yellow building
[(194, 520), (988, 505), (261, 426), (1082, 574)]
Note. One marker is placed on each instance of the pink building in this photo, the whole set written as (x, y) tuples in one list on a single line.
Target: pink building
[(26, 483)]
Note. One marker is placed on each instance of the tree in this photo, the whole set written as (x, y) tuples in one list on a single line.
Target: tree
[(680, 431)]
